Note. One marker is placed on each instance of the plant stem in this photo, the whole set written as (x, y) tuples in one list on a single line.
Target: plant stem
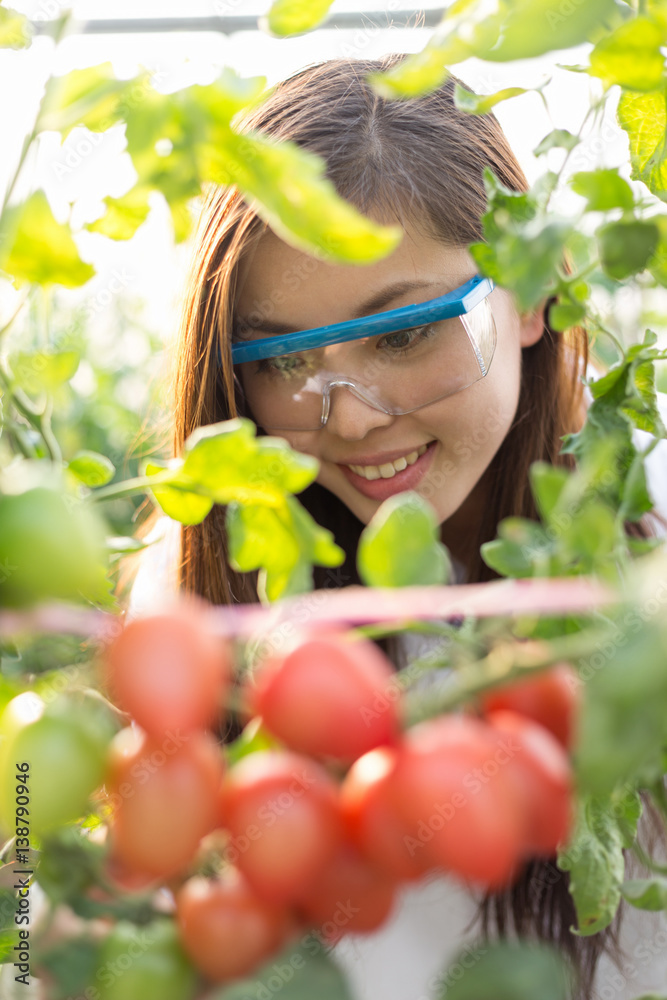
[(505, 662), (130, 487)]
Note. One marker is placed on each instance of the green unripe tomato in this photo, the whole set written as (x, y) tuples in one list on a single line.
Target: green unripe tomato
[(66, 759), (51, 546), (144, 963)]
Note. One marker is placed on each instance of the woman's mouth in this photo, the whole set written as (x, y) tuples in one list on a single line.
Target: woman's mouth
[(387, 479)]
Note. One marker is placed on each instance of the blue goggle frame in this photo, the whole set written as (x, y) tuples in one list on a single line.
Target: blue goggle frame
[(460, 300)]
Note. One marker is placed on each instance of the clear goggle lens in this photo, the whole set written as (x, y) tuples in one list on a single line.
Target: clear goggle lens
[(394, 372)]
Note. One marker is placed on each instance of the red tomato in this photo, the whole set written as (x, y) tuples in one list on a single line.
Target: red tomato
[(164, 799), (332, 696), (464, 811), (544, 774), (282, 814), (169, 671), (225, 928), (549, 697), (349, 896), (372, 818)]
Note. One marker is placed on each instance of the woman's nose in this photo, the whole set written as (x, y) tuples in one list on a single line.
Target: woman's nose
[(351, 417)]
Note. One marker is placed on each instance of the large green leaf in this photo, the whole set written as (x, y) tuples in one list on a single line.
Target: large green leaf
[(644, 118), (38, 371), (603, 189), (530, 28), (626, 247), (92, 97), (36, 248), (594, 859), (123, 215), (292, 17), (507, 971), (400, 546), (631, 55), (646, 893), (304, 972)]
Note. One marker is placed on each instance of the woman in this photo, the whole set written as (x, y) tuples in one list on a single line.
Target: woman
[(460, 424)]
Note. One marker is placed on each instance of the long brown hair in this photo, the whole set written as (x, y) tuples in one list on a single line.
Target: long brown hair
[(421, 160)]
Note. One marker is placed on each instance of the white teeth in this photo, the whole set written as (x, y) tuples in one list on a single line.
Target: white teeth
[(389, 469)]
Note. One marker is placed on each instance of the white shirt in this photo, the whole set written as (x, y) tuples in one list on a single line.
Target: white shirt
[(403, 959)]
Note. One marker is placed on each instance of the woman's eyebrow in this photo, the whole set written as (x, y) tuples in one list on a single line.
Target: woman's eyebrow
[(371, 305)]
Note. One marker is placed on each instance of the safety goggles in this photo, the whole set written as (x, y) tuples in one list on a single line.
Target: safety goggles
[(395, 361)]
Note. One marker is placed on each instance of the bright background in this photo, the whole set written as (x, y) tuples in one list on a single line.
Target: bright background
[(131, 325)]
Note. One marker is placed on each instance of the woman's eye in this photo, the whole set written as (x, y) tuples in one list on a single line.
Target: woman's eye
[(402, 339)]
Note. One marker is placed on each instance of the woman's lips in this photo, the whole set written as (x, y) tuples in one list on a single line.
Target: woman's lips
[(380, 489)]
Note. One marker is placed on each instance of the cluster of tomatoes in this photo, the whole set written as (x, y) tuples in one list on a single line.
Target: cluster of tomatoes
[(320, 830)]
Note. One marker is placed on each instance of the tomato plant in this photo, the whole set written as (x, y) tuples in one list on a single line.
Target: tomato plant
[(549, 697), (169, 671), (330, 696), (226, 928), (282, 814), (163, 798)]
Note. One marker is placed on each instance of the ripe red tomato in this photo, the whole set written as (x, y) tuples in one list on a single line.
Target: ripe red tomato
[(371, 815), (331, 696), (169, 671), (464, 811), (543, 773), (164, 799), (282, 814), (225, 928), (549, 697), (349, 896)]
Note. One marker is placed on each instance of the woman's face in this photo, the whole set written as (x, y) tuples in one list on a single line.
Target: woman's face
[(282, 285)]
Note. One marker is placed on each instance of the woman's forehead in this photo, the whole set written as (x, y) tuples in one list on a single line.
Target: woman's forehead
[(295, 286)]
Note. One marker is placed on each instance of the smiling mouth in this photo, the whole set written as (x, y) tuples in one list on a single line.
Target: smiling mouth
[(389, 469)]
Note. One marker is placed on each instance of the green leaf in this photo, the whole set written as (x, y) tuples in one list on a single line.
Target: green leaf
[(9, 939), (400, 546), (420, 73), (604, 189), (293, 17), (636, 500), (253, 738), (646, 893), (91, 468), (626, 247), (507, 971), (297, 200), (563, 316), (187, 507), (630, 55), (532, 27), (123, 215), (522, 546), (657, 265), (481, 104), (91, 97), (559, 138), (44, 371), (126, 545), (36, 248), (15, 30), (72, 964), (594, 859), (547, 483), (644, 117), (304, 971)]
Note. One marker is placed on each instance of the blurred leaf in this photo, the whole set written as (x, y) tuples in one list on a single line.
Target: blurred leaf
[(306, 972), (630, 55), (562, 316), (531, 28), (124, 215), (34, 247), (91, 97), (626, 247), (185, 507), (594, 859), (91, 468), (644, 117), (297, 200), (15, 30), (72, 965), (646, 893), (252, 739), (42, 370), (292, 17), (559, 138), (507, 971), (604, 189), (547, 484), (481, 104), (400, 547), (657, 264), (521, 544)]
